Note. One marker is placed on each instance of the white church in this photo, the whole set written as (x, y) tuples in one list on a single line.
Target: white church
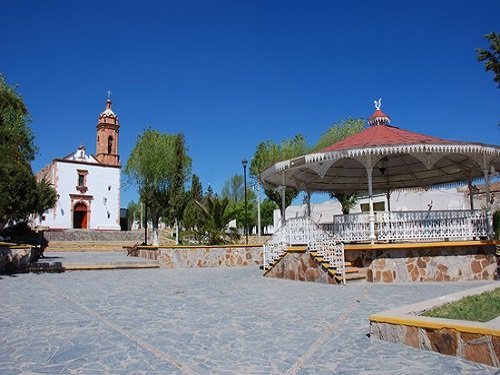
[(87, 186)]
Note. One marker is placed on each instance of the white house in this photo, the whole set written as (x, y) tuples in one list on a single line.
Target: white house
[(87, 186)]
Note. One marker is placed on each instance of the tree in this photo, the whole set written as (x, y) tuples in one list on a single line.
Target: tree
[(346, 200), (234, 189), (267, 154), (17, 192), (134, 213), (215, 215), (491, 57), (177, 196), (46, 197), (152, 167), (267, 212), (196, 188), (19, 196), (338, 131)]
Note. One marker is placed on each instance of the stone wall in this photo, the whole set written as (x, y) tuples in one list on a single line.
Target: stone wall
[(94, 235), (427, 264), (300, 267), (475, 347), (14, 259), (215, 256)]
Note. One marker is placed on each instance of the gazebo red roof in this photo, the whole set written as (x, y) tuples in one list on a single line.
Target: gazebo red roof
[(381, 135)]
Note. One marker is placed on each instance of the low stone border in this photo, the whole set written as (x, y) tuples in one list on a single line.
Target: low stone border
[(474, 341), (203, 256)]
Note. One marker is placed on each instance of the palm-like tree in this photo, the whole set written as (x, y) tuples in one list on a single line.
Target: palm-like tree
[(347, 201), (215, 217)]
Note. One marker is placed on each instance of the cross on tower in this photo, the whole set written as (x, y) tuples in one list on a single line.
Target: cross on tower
[(109, 94)]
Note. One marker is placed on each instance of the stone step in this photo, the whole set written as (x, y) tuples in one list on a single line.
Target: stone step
[(359, 275), (43, 267), (109, 266)]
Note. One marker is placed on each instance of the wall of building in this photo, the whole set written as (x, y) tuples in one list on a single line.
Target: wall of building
[(103, 185)]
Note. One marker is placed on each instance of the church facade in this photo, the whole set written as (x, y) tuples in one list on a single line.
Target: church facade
[(87, 186)]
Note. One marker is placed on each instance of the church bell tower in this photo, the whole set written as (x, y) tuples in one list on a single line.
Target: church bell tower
[(107, 136)]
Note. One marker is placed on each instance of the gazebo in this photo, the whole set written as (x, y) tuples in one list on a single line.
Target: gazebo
[(383, 158)]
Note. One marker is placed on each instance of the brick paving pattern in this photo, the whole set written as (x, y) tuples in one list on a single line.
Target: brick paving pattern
[(206, 321)]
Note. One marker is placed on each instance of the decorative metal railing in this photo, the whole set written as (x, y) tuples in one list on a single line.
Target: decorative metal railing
[(303, 231), (412, 225), (352, 227)]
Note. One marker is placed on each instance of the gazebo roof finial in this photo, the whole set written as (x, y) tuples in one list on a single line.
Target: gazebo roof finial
[(378, 117)]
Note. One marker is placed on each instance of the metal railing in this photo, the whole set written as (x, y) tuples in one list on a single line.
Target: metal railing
[(411, 225), (303, 231)]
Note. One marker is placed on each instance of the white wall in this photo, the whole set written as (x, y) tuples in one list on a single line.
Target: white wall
[(103, 185)]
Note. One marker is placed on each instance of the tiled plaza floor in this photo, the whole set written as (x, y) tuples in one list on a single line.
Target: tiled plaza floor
[(206, 321)]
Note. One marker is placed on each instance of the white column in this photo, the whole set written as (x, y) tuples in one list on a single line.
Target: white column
[(489, 216), (258, 209), (308, 201), (371, 215), (283, 203)]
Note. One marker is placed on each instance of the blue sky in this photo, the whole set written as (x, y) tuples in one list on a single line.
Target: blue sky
[(229, 74)]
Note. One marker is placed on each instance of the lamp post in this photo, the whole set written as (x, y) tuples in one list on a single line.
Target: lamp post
[(244, 163)]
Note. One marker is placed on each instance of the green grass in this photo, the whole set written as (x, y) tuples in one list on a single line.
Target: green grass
[(479, 308)]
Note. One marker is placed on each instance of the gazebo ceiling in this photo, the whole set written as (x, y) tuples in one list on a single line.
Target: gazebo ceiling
[(397, 159)]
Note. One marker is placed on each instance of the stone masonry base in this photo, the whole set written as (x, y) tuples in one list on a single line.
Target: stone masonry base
[(210, 256)]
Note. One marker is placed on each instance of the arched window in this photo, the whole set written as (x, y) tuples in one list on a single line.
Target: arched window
[(110, 144)]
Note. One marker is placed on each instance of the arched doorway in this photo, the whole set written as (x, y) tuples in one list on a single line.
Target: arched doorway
[(80, 216)]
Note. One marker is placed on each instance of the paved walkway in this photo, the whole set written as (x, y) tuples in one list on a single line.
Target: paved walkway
[(206, 321)]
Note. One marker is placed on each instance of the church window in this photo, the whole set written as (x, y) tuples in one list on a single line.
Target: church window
[(81, 183), (110, 144)]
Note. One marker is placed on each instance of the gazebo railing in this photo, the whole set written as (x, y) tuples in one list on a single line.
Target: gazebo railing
[(304, 231), (412, 225), (350, 228)]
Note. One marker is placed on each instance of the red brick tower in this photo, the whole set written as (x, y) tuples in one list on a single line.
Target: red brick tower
[(107, 137)]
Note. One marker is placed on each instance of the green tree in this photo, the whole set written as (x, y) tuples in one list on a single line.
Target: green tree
[(338, 131), (196, 188), (191, 218), (267, 208), (234, 189), (46, 197), (177, 196), (267, 154), (134, 213), (19, 194), (491, 57), (152, 167), (215, 214), (346, 200)]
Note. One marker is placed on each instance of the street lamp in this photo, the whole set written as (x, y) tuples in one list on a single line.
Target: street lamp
[(244, 163)]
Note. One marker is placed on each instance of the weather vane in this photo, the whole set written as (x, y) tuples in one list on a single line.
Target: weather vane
[(109, 94), (378, 103)]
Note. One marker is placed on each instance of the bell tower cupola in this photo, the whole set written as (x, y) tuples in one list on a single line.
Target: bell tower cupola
[(107, 136)]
